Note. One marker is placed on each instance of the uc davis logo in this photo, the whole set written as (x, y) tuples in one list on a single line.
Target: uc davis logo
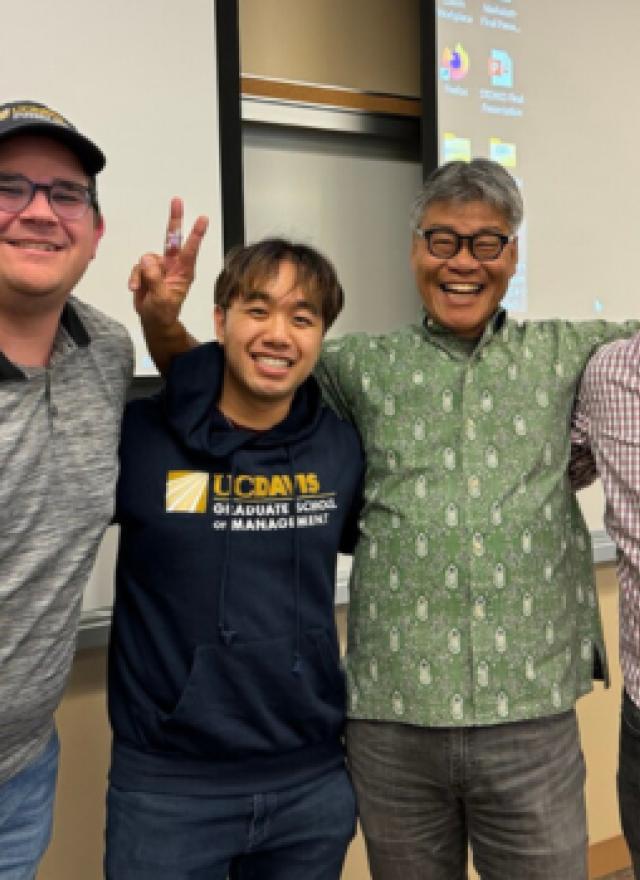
[(186, 492)]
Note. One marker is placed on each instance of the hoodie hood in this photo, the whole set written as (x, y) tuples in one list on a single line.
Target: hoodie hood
[(191, 395)]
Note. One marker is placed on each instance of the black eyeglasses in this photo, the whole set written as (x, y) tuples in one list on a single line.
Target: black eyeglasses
[(68, 200), (445, 243)]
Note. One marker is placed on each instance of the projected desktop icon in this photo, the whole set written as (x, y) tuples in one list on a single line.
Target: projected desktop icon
[(501, 68), (454, 63), (455, 149), (502, 152)]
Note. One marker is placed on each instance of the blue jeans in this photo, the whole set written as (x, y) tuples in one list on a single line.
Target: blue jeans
[(300, 833), (514, 791), (629, 778), (26, 815)]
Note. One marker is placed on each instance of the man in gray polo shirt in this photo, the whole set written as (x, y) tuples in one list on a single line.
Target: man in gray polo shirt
[(64, 371)]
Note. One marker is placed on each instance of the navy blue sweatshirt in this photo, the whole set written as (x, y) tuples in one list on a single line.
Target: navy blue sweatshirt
[(224, 674)]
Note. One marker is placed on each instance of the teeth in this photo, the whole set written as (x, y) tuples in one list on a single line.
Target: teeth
[(273, 362), (462, 288), (35, 245)]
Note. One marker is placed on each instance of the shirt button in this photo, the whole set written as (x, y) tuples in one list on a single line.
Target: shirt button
[(479, 608)]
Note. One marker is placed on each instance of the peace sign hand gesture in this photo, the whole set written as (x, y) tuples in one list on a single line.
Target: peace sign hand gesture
[(160, 283)]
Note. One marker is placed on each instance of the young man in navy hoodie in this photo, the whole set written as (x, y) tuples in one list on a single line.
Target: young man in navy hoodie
[(238, 487)]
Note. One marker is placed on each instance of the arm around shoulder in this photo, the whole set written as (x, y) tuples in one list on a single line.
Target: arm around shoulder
[(582, 465)]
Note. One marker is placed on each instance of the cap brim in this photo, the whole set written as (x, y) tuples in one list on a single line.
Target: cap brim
[(90, 156)]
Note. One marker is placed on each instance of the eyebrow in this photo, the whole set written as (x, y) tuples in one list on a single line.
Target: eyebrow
[(492, 230), (262, 296), (72, 184), (59, 181)]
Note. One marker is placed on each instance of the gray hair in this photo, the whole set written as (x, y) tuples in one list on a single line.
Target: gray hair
[(480, 180)]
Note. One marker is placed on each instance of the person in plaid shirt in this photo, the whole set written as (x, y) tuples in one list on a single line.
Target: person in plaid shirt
[(606, 438)]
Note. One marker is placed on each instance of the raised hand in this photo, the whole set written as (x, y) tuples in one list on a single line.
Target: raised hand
[(160, 283)]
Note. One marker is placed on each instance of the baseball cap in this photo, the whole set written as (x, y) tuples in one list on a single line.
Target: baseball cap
[(31, 117)]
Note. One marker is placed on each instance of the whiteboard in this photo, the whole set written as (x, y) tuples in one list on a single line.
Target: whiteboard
[(139, 78)]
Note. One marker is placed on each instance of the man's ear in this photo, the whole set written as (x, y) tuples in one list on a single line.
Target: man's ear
[(219, 316), (513, 245), (98, 231), (414, 251)]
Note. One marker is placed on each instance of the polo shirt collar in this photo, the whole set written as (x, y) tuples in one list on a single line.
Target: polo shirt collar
[(70, 325)]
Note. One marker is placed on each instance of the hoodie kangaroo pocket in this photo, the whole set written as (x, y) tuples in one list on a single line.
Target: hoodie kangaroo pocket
[(252, 698)]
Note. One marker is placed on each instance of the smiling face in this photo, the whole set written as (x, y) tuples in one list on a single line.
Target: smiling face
[(42, 257), (462, 293), (271, 336)]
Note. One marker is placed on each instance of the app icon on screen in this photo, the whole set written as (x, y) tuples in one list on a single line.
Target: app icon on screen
[(502, 152), (501, 68), (455, 149), (454, 63)]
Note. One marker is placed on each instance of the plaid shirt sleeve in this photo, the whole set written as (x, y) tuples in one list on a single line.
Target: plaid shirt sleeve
[(609, 416), (582, 464)]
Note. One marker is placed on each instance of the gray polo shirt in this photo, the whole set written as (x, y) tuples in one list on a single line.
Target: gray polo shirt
[(59, 429)]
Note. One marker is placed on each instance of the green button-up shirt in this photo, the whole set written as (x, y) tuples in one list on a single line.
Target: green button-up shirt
[(472, 598)]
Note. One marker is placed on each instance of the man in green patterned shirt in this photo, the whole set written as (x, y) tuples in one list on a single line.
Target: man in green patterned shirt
[(473, 619)]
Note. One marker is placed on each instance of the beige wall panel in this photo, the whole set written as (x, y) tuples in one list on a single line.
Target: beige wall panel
[(599, 716), (76, 850), (372, 45)]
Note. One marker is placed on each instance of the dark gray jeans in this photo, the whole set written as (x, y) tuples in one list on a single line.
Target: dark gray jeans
[(514, 791), (629, 778)]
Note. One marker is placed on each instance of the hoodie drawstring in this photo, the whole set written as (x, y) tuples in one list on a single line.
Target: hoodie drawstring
[(227, 635), (297, 655)]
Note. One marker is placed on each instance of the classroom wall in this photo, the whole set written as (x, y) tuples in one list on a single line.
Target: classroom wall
[(367, 44)]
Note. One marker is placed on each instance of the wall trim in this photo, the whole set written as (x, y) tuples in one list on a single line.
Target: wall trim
[(317, 117), (608, 856), (228, 69), (604, 550), (335, 97)]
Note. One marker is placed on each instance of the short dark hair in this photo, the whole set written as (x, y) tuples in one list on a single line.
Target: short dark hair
[(246, 266)]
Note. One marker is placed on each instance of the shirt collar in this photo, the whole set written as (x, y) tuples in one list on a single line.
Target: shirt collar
[(70, 331), (454, 344)]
